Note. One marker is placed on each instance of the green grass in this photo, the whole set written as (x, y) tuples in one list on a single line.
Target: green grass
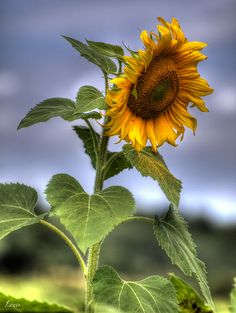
[(222, 305), (62, 285)]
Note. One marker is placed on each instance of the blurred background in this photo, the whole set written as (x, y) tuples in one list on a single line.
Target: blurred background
[(36, 63)]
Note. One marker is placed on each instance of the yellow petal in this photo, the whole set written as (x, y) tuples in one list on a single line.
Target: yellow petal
[(151, 134)]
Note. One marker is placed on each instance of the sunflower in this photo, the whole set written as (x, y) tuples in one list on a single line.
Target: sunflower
[(149, 100)]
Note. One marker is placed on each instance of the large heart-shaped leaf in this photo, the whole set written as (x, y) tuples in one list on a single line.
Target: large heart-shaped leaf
[(17, 204), (11, 304), (173, 236), (152, 164), (88, 218), (153, 294), (103, 308)]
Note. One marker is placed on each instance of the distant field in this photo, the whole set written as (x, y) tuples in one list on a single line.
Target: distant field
[(61, 285), (131, 250)]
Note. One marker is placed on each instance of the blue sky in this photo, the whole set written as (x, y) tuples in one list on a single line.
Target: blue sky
[(36, 63)]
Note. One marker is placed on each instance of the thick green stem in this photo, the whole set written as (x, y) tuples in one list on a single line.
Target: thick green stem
[(94, 251), (93, 259), (100, 162), (69, 243)]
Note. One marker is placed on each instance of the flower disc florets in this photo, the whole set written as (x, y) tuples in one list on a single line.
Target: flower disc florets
[(156, 89)]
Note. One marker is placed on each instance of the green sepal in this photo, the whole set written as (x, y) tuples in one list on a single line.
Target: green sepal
[(188, 299), (173, 236), (154, 294), (53, 107), (107, 49), (132, 52), (17, 203), (90, 98), (152, 164), (88, 218), (233, 298), (11, 304), (89, 53)]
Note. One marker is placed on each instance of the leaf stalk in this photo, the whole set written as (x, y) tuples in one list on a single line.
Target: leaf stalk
[(69, 243)]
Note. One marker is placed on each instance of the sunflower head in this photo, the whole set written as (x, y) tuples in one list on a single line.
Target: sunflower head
[(149, 101)]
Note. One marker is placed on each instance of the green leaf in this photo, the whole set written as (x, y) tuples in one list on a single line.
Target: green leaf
[(88, 218), (118, 164), (118, 160), (188, 299), (11, 304), (153, 294), (54, 107), (107, 49), (17, 204), (85, 116), (90, 98), (173, 236), (153, 165), (106, 64), (233, 298), (85, 135), (101, 308)]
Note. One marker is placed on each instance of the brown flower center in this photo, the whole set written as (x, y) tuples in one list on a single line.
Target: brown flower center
[(156, 89)]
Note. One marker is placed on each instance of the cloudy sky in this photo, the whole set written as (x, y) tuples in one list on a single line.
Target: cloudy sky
[(36, 63)]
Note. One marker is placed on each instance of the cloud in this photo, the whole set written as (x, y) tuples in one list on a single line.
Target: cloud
[(9, 83), (225, 100), (221, 209), (200, 18), (38, 64)]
